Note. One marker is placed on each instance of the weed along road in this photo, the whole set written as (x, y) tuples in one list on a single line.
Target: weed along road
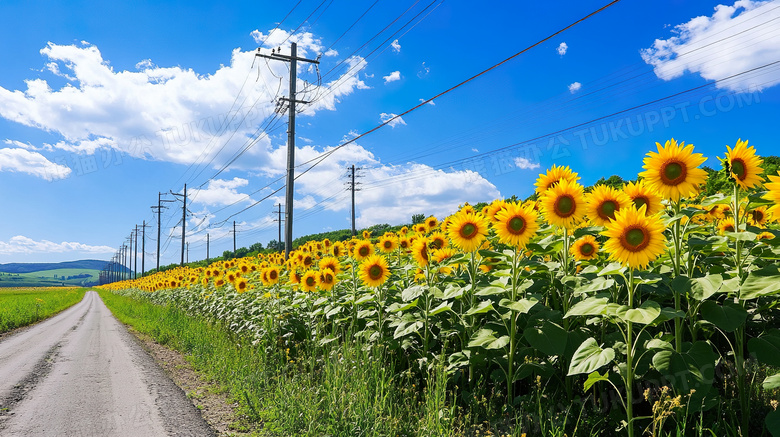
[(81, 373)]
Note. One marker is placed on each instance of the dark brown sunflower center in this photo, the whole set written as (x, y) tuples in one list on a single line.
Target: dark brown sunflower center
[(738, 168), (565, 206), (388, 244), (586, 249), (607, 209), (307, 261), (516, 225), (468, 231), (437, 243), (328, 278), (310, 281), (758, 216), (640, 201), (673, 172), (273, 274), (375, 272), (635, 239), (424, 253), (363, 251), (728, 228)]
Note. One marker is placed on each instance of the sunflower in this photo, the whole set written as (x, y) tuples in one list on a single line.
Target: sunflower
[(467, 209), (331, 263), (404, 230), (467, 230), (564, 204), (307, 260), (554, 175), (404, 244), (241, 285), (366, 235), (773, 194), (362, 249), (272, 275), (443, 254), (744, 165), (327, 279), (219, 282), (204, 282), (758, 216), (726, 225), (387, 244), (635, 239), (295, 277), (420, 228), (603, 202), (516, 224), (420, 252), (437, 240), (431, 222), (640, 194), (309, 280), (765, 236), (585, 248), (338, 250), (674, 170), (493, 209), (374, 271)]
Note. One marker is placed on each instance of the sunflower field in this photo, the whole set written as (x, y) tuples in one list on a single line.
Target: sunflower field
[(646, 310)]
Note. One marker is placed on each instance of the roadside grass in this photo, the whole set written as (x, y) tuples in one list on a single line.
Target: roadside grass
[(25, 306), (314, 390)]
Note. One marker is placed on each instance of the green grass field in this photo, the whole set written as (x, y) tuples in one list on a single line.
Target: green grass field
[(25, 306), (48, 278)]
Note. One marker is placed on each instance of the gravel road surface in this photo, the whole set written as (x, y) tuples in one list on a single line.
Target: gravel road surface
[(81, 373)]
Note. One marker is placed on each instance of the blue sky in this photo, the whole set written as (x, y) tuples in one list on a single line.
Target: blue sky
[(105, 104)]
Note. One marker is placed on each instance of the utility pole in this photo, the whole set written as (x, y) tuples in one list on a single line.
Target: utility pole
[(288, 210), (159, 209), (124, 261), (207, 248), (352, 186), (183, 221), (188, 253), (130, 257), (135, 262), (143, 247), (234, 238), (279, 212)]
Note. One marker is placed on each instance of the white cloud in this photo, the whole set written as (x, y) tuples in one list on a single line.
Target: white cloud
[(475, 150), (432, 103), (221, 192), (392, 77), (171, 114), (394, 119), (392, 194), (562, 48), (24, 245), (396, 47), (33, 163), (424, 71), (733, 39), (573, 88), (525, 164)]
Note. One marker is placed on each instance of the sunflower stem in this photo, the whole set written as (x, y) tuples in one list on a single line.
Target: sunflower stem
[(512, 328), (629, 381), (739, 333), (677, 238)]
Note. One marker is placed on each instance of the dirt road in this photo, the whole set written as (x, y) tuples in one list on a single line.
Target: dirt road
[(81, 373)]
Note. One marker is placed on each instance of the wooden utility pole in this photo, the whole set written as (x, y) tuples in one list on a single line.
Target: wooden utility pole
[(290, 191)]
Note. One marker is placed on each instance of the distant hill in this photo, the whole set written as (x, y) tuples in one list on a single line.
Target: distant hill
[(85, 264)]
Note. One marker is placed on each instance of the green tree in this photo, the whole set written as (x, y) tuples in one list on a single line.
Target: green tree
[(418, 218)]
